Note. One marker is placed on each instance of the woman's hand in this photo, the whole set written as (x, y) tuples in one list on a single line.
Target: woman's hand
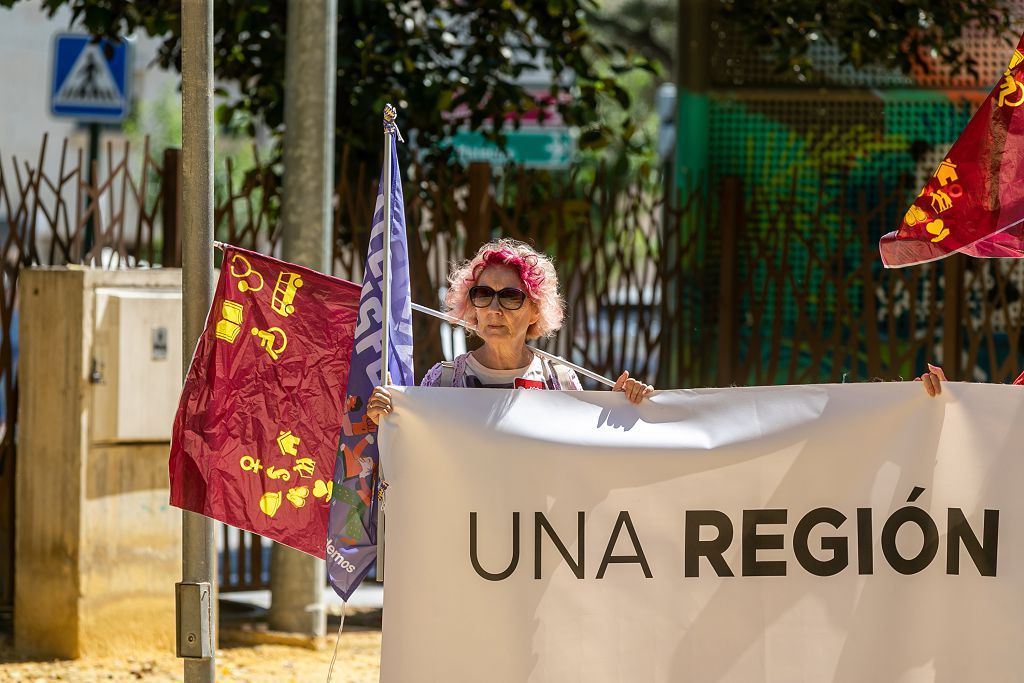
[(933, 380), (379, 404), (634, 389)]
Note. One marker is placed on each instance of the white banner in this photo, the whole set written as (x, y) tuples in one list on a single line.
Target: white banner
[(821, 533)]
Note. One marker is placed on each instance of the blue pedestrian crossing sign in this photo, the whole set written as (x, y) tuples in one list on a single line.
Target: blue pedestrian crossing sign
[(91, 79)]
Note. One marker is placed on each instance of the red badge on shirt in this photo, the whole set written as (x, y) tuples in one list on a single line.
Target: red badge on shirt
[(522, 383)]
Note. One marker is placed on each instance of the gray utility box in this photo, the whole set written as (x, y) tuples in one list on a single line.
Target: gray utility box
[(136, 373), (98, 547)]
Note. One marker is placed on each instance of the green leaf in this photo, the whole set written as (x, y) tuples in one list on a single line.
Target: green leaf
[(593, 138)]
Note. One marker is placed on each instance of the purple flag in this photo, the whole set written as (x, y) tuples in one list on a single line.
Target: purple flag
[(352, 531)]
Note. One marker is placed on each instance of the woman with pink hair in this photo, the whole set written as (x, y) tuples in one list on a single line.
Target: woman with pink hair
[(509, 292)]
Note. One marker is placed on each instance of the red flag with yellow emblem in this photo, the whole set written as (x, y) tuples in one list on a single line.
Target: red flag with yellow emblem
[(256, 432), (974, 202)]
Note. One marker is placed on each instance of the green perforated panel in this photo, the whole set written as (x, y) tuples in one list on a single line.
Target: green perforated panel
[(810, 167)]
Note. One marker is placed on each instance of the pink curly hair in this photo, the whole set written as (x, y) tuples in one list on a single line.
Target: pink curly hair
[(536, 271)]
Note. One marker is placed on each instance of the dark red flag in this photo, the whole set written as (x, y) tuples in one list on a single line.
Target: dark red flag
[(256, 432), (974, 202)]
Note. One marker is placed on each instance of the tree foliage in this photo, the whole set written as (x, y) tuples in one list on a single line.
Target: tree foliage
[(894, 34), (648, 27), (430, 58)]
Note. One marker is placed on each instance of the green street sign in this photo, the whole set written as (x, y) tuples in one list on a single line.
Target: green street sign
[(532, 147)]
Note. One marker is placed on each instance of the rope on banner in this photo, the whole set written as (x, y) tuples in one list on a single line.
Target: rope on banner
[(337, 642), (543, 354)]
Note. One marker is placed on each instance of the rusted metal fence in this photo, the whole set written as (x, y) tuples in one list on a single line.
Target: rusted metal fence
[(722, 285), (50, 214)]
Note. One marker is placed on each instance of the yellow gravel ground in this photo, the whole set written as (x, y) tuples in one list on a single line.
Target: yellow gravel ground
[(358, 662)]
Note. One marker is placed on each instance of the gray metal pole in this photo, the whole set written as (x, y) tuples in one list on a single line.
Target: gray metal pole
[(310, 74), (297, 581), (196, 594)]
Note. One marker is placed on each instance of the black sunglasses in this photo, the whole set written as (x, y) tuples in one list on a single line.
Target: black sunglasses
[(510, 298)]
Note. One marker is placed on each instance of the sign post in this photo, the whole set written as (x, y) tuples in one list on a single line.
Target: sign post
[(91, 82), (197, 599)]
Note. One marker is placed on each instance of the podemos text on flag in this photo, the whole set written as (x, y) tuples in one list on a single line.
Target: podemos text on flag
[(352, 539)]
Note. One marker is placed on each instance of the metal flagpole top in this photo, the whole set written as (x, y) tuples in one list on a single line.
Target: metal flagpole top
[(390, 115)]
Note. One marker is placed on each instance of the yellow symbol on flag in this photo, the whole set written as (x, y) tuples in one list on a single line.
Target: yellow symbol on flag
[(937, 228), (245, 285), (1016, 58), (279, 473), (270, 502), (230, 323), (297, 496), (1010, 86), (305, 466), (250, 464), (915, 215), (322, 490), (284, 293), (946, 172), (940, 201), (287, 442), (269, 337)]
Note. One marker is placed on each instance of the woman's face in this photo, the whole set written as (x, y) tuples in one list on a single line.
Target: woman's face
[(498, 325)]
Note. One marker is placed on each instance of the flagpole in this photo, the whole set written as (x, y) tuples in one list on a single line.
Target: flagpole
[(543, 354), (390, 114), (390, 133)]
